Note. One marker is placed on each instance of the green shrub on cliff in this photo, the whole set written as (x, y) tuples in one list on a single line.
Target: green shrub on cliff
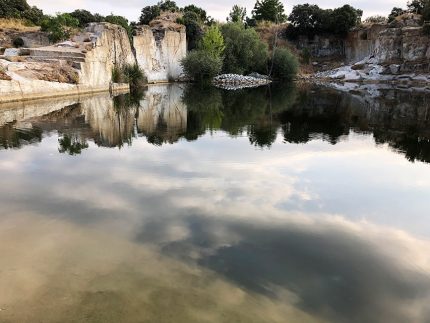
[(284, 64), (200, 65)]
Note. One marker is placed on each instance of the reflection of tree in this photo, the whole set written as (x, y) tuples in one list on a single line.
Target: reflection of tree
[(204, 105), (262, 136), (248, 110), (71, 145)]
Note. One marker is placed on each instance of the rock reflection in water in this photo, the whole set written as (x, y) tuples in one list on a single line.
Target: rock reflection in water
[(165, 114)]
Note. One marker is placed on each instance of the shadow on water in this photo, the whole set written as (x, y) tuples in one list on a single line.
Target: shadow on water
[(167, 114)]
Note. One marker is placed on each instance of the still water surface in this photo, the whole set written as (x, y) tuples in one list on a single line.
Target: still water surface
[(282, 204)]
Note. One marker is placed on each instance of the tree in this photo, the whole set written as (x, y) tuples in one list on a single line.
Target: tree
[(244, 51), (201, 13), (395, 12), (269, 10), (213, 42), (345, 18), (308, 19), (148, 14), (34, 15), (417, 6), (237, 14), (168, 5), (201, 65), (193, 28), (84, 17)]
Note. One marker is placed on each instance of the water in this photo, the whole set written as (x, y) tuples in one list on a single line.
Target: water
[(282, 204)]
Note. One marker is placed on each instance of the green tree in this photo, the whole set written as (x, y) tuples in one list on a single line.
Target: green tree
[(34, 15), (193, 28), (237, 14), (213, 41), (269, 10), (307, 19), (345, 18), (148, 14), (84, 17), (168, 5), (201, 13), (201, 65), (244, 51)]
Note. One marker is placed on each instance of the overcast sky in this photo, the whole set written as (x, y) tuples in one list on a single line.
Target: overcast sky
[(218, 9)]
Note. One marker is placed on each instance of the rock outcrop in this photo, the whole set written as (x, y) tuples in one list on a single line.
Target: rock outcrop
[(82, 65), (159, 50)]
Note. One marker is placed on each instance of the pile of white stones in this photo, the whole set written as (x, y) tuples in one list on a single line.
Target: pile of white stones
[(236, 81)]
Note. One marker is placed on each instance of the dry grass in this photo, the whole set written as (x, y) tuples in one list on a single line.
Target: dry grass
[(17, 24), (3, 75)]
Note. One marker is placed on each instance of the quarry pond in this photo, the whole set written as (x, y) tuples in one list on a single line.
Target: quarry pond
[(284, 203)]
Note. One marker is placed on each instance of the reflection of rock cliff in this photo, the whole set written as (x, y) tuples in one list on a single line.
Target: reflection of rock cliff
[(109, 122), (399, 118), (162, 116)]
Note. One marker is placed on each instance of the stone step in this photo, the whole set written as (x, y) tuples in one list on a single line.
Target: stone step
[(54, 59), (56, 53)]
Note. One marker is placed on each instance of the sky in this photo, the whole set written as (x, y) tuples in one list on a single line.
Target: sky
[(218, 9)]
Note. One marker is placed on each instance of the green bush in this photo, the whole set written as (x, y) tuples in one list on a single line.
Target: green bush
[(18, 42), (284, 64), (129, 73), (244, 51), (134, 76), (201, 65)]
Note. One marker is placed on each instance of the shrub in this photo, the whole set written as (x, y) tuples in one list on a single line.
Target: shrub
[(131, 74), (244, 51), (18, 42), (201, 65), (284, 64), (134, 76)]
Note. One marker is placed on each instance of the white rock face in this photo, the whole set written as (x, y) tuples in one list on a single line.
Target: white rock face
[(111, 46), (94, 53), (159, 53)]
